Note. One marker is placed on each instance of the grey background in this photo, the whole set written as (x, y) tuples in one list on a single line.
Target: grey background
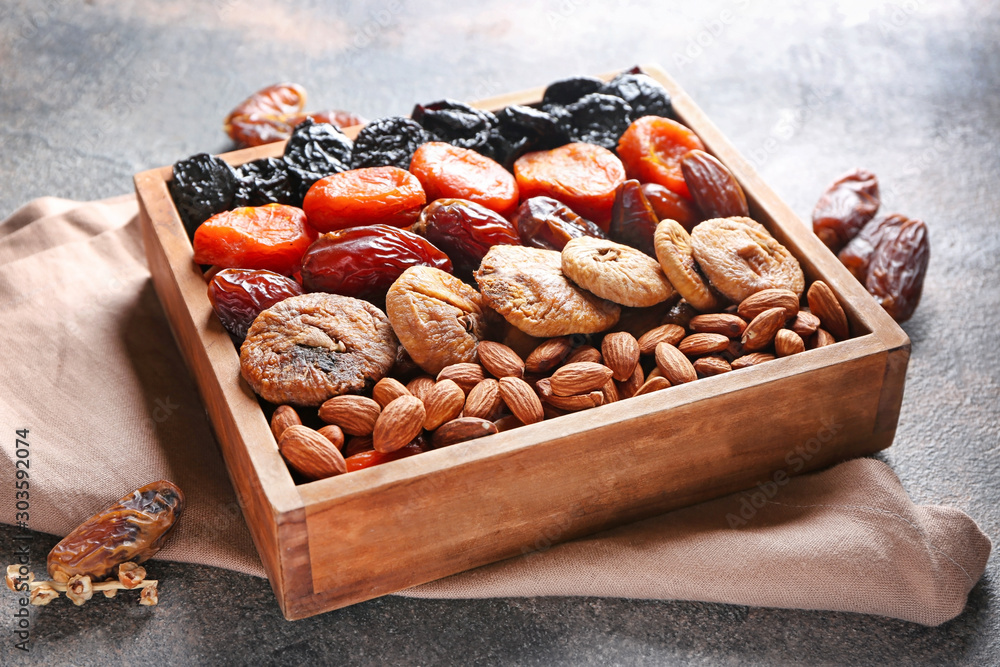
[(92, 92)]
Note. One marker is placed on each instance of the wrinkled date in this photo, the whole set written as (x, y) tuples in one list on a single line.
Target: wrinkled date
[(713, 187), (898, 266), (238, 296), (633, 220), (133, 529), (845, 208), (363, 262), (547, 223), (465, 231)]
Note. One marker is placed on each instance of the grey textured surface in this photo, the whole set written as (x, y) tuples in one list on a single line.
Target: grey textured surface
[(91, 92)]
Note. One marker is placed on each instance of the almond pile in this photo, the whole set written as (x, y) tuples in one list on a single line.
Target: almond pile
[(561, 375)]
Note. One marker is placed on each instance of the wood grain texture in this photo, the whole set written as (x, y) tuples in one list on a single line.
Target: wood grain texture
[(337, 541)]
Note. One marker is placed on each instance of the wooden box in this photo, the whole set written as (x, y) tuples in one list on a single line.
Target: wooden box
[(338, 541)]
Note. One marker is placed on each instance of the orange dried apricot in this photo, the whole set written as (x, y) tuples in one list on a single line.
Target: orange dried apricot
[(582, 176), (453, 172), (272, 237), (368, 196), (652, 148)]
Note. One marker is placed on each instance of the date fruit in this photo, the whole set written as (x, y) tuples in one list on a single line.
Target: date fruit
[(897, 270), (132, 529), (668, 204), (238, 296), (712, 186), (846, 206), (465, 231), (544, 222), (633, 220)]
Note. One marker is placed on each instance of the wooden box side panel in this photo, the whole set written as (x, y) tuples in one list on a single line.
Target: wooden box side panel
[(621, 465)]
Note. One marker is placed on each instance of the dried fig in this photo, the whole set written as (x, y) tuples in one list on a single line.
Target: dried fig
[(615, 272), (673, 250)]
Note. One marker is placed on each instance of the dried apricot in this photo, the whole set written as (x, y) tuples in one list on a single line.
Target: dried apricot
[(272, 237), (615, 272), (368, 196), (741, 258), (437, 317), (527, 287), (307, 349), (582, 176), (652, 148), (371, 458), (238, 296), (452, 172)]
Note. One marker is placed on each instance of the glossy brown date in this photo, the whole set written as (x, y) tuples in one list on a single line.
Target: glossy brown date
[(132, 529), (898, 267), (846, 206), (670, 205), (363, 262), (238, 296), (465, 231), (713, 187), (633, 220), (547, 223)]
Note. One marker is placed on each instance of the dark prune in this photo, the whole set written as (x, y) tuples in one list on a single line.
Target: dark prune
[(457, 123), (567, 91), (238, 296), (598, 119), (633, 221), (318, 147), (203, 185), (544, 222), (268, 180), (388, 141), (364, 261), (850, 202), (465, 231), (643, 93)]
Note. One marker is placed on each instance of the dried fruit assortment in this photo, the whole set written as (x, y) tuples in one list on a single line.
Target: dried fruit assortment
[(468, 272)]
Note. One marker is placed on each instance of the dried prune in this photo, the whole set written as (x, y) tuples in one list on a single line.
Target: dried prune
[(673, 250), (263, 117), (898, 267), (388, 141), (535, 127), (633, 221), (319, 148), (651, 149), (202, 186), (669, 204), (615, 272), (268, 181), (713, 187), (368, 196), (438, 319), (451, 172), (307, 349), (336, 117), (365, 261), (582, 176), (741, 258), (271, 237), (567, 91), (544, 222), (132, 529), (238, 296), (846, 206), (465, 231), (644, 95), (457, 123), (528, 288), (598, 119)]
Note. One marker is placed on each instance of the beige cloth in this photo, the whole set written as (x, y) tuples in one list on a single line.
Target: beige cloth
[(88, 364)]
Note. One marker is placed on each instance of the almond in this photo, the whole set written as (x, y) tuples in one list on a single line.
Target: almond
[(400, 422), (521, 400), (355, 414), (547, 356), (821, 338), (387, 390), (805, 323), (665, 333), (621, 354), (674, 365), (420, 386), (579, 378), (310, 454), (628, 388), (698, 344), (725, 324), (655, 384), (757, 303), (283, 417), (466, 375), (462, 429), (484, 400), (709, 366), (577, 402), (334, 434), (443, 403), (544, 388), (610, 391), (752, 359), (787, 343), (500, 360), (655, 373), (760, 332), (824, 305), (584, 353)]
